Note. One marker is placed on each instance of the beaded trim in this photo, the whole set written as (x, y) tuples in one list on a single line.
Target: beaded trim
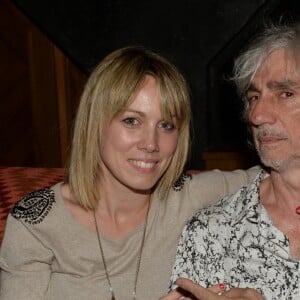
[(34, 207)]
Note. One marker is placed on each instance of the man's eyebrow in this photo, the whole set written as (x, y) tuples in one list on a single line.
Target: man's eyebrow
[(252, 88), (277, 85)]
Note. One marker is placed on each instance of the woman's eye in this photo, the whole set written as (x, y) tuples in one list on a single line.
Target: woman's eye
[(167, 125), (130, 121)]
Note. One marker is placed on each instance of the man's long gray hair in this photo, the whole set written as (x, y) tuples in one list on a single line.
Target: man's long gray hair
[(273, 37)]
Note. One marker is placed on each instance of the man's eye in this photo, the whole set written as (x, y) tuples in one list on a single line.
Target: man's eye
[(130, 121), (252, 98), (167, 125), (286, 94)]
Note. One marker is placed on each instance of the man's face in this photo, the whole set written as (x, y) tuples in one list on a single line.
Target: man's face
[(274, 110)]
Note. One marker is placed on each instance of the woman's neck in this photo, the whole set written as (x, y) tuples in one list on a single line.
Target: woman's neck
[(121, 211)]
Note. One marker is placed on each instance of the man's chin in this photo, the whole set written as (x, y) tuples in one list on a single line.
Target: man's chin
[(272, 163)]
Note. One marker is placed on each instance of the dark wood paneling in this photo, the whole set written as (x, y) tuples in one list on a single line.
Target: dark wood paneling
[(15, 110), (229, 160), (37, 94)]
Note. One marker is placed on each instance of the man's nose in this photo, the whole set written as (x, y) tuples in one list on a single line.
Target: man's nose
[(262, 111)]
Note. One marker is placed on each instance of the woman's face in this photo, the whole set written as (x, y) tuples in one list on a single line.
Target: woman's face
[(138, 144)]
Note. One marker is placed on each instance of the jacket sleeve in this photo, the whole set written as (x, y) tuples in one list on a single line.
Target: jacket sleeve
[(209, 186), (25, 264)]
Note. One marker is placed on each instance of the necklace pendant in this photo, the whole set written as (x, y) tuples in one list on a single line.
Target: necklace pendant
[(112, 293)]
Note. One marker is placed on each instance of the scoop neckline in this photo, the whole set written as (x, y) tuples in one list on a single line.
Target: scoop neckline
[(65, 213)]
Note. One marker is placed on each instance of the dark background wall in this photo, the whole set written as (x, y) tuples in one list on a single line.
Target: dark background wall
[(200, 37)]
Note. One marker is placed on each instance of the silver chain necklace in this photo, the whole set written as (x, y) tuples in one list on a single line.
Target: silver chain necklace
[(111, 290)]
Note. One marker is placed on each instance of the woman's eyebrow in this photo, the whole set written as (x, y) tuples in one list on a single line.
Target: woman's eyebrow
[(133, 111)]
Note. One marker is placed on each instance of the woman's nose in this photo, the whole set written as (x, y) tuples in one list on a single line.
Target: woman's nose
[(149, 141)]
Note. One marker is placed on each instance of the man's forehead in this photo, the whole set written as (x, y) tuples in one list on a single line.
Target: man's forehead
[(281, 67)]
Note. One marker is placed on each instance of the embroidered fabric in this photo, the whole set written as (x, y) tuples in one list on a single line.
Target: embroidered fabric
[(34, 207)]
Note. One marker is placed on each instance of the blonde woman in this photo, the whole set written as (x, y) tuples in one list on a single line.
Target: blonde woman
[(110, 230)]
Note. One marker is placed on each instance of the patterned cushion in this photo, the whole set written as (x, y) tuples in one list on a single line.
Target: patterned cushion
[(16, 182)]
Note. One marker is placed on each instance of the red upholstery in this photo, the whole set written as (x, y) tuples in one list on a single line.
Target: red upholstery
[(16, 182)]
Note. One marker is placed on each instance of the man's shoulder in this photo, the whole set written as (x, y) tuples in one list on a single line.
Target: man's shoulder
[(229, 209)]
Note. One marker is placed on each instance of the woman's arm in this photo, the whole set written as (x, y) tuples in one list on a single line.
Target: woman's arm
[(25, 264), (207, 187)]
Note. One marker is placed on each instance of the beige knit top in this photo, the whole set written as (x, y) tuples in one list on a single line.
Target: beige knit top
[(47, 254)]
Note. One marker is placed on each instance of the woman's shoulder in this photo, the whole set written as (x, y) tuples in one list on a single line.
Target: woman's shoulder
[(36, 206), (183, 180)]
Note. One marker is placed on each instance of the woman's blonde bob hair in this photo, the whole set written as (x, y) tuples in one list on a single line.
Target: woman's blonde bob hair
[(110, 89)]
